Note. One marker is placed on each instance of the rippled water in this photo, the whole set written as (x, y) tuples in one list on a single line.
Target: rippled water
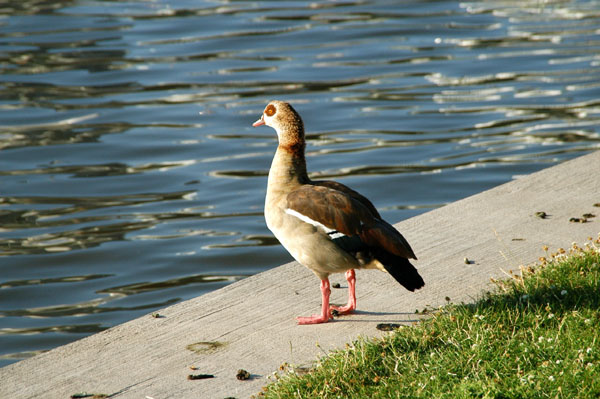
[(130, 177)]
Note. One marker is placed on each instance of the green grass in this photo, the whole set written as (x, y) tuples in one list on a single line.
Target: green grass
[(536, 336)]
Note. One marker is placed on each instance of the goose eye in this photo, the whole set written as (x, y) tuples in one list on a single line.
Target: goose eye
[(270, 110)]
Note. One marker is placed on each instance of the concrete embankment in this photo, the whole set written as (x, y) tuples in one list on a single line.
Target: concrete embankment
[(251, 324)]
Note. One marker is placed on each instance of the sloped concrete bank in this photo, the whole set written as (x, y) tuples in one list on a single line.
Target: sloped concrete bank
[(251, 324)]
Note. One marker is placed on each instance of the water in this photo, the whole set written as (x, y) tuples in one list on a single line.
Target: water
[(130, 175)]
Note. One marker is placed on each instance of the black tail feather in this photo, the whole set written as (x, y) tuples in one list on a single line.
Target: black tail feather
[(401, 269)]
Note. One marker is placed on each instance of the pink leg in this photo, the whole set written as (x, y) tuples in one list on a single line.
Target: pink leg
[(351, 277), (324, 316)]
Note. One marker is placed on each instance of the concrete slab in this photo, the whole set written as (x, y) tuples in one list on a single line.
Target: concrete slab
[(250, 324)]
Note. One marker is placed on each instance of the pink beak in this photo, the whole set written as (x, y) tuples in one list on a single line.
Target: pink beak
[(259, 122)]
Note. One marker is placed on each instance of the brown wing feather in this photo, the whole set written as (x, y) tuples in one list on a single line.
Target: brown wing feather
[(353, 194), (384, 235), (343, 209), (330, 207)]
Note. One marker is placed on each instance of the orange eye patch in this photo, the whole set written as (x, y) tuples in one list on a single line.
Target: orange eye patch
[(270, 110)]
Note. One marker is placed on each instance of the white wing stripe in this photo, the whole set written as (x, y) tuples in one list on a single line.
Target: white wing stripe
[(308, 220)]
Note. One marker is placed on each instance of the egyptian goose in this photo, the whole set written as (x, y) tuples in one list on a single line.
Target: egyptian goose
[(325, 225)]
